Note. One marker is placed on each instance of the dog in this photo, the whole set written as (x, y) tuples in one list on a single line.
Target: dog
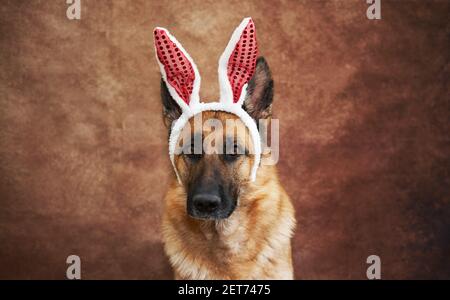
[(217, 222)]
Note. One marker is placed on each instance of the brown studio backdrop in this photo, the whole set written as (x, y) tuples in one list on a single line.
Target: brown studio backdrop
[(363, 108)]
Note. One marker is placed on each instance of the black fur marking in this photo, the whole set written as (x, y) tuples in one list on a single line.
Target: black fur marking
[(171, 110), (258, 102)]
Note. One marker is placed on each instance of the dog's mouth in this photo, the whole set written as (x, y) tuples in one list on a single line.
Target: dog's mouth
[(210, 207)]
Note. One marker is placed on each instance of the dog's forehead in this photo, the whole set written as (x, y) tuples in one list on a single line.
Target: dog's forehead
[(216, 125), (216, 122)]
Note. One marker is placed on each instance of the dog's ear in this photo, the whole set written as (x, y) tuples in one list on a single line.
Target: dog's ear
[(180, 82), (171, 109), (258, 102)]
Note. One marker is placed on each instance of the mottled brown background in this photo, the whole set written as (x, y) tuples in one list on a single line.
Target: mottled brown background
[(364, 110)]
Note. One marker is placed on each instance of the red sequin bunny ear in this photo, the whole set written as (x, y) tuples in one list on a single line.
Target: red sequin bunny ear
[(238, 62), (177, 68)]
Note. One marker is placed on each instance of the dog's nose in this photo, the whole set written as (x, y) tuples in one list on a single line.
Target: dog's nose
[(206, 203)]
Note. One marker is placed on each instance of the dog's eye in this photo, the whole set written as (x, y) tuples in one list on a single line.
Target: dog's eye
[(192, 155), (235, 154)]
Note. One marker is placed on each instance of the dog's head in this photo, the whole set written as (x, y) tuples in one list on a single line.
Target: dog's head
[(215, 157), (215, 148)]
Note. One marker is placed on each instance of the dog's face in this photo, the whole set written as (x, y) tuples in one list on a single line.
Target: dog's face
[(215, 154), (216, 171)]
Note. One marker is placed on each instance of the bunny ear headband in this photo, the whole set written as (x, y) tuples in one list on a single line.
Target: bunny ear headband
[(237, 65)]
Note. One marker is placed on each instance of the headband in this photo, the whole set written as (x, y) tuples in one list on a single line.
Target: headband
[(237, 65)]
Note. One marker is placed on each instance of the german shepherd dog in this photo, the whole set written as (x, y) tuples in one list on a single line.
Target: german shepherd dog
[(217, 223)]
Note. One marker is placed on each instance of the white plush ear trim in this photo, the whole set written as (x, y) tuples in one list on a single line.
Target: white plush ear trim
[(218, 106), (195, 95), (226, 91)]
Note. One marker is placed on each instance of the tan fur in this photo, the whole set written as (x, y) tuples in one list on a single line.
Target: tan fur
[(253, 243)]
